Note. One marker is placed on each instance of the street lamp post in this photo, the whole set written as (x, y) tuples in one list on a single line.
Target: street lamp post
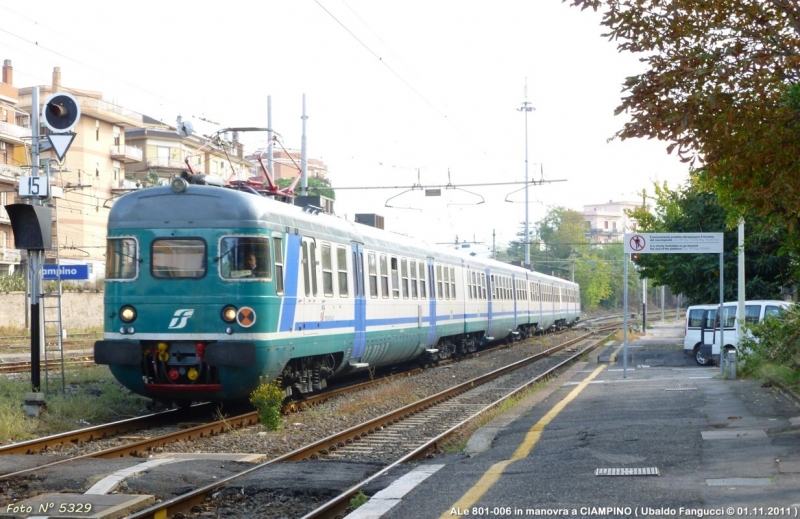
[(525, 108)]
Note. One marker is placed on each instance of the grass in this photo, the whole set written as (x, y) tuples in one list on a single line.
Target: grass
[(92, 397), (768, 372)]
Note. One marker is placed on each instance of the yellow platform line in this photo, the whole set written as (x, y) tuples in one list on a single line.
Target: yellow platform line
[(491, 476), (613, 357)]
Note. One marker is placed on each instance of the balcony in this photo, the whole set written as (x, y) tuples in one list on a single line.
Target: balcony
[(126, 154), (125, 185), (7, 171), (14, 131), (165, 163), (9, 255)]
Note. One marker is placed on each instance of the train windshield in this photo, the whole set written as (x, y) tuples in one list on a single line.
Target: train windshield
[(245, 257), (121, 258), (179, 258)]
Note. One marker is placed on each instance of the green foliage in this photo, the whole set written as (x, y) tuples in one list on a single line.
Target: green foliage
[(13, 283), (316, 186), (772, 346), (358, 499), (267, 399), (561, 249), (692, 209), (720, 86), (92, 396)]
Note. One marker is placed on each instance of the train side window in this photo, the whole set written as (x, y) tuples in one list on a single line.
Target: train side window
[(306, 268), (359, 275), (446, 282), (327, 270), (395, 278), (453, 282), (471, 282), (422, 282), (312, 267), (384, 277), (439, 287), (341, 265), (404, 276), (413, 266), (121, 258), (278, 246), (182, 258), (373, 276), (245, 257)]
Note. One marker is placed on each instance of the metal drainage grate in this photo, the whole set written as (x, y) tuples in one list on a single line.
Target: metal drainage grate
[(648, 471), (681, 389)]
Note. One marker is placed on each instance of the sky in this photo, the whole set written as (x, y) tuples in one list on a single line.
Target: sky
[(396, 92)]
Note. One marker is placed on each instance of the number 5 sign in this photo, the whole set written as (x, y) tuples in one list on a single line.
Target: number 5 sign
[(34, 187)]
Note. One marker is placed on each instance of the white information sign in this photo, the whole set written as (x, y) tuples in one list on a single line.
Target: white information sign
[(673, 243), (33, 186)]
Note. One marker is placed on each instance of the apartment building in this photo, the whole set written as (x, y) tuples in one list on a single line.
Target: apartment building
[(165, 154), (12, 158), (92, 172), (606, 223), (286, 164)]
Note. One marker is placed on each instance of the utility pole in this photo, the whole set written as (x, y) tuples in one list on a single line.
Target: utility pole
[(525, 108), (303, 160)]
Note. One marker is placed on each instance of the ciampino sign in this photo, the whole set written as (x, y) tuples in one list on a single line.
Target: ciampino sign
[(67, 272)]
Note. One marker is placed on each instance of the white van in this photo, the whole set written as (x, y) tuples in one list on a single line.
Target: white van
[(706, 350)]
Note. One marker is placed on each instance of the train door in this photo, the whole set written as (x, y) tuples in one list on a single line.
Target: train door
[(489, 300), (515, 298), (432, 300), (360, 306), (309, 296)]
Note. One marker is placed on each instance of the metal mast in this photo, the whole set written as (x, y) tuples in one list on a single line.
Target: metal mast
[(525, 108)]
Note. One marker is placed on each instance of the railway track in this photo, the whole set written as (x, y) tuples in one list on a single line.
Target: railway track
[(51, 364), (411, 432)]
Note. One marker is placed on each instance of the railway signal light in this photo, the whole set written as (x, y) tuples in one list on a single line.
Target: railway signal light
[(61, 112)]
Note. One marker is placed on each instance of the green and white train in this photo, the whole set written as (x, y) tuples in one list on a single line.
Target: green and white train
[(187, 317)]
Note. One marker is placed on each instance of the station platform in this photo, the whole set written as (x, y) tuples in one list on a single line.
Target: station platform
[(664, 438)]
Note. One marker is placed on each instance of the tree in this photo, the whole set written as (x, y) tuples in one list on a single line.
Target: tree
[(316, 186), (697, 275), (562, 232), (722, 88)]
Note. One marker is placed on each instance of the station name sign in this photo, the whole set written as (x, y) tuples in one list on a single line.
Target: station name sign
[(674, 243), (68, 272)]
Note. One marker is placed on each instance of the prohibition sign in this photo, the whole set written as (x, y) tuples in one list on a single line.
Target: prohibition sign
[(246, 317), (637, 242)]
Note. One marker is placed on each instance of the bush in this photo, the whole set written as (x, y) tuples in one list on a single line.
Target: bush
[(13, 283), (773, 344), (267, 399)]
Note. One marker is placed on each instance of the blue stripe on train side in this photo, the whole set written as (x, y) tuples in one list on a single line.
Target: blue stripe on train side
[(292, 271)]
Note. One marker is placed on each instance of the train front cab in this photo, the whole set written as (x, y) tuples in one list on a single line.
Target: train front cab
[(183, 313)]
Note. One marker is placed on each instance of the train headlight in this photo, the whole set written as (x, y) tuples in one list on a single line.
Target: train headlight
[(127, 314), (229, 314), (179, 185)]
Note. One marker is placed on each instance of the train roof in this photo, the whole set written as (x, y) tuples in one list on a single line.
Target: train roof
[(202, 206)]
